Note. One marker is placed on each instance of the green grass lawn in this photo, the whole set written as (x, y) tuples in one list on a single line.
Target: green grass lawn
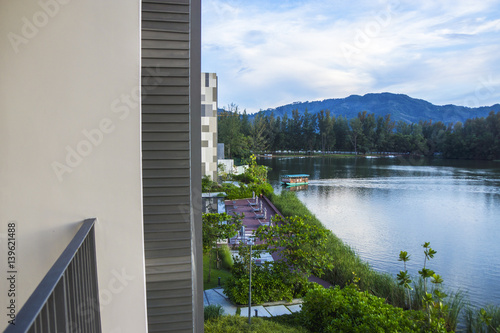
[(224, 274)]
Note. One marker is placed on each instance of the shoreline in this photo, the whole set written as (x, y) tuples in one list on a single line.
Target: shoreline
[(381, 283), (370, 155)]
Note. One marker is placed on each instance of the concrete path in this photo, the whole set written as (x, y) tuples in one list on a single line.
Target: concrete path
[(216, 296)]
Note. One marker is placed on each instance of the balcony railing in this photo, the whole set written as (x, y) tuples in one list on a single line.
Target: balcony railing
[(67, 299)]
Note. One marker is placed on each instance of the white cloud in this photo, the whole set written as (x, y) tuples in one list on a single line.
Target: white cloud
[(272, 53)]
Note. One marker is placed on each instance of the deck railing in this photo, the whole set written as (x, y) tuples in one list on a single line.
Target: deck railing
[(67, 299)]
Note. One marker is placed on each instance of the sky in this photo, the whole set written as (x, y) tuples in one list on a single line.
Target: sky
[(268, 53)]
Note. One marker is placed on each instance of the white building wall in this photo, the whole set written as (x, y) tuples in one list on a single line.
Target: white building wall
[(70, 145), (209, 124)]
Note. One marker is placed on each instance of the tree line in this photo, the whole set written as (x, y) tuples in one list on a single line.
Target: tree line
[(477, 138)]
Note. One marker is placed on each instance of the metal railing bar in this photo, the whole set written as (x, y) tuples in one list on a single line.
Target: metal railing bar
[(47, 318), (77, 287), (83, 309), (64, 320), (67, 310), (29, 312), (88, 288), (81, 286), (95, 283), (54, 306), (71, 294)]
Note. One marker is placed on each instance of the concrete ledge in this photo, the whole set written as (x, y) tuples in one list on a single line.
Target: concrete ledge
[(293, 302), (295, 308), (262, 311), (278, 310)]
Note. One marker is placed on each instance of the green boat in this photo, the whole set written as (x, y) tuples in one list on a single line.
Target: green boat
[(295, 180)]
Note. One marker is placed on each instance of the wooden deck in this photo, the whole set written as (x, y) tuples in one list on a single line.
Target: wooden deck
[(254, 211)]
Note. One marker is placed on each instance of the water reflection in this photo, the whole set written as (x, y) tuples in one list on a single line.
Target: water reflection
[(382, 206)]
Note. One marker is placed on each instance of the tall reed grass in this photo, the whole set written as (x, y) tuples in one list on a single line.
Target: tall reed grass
[(474, 324)]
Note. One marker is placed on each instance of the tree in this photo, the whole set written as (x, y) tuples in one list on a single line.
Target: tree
[(368, 127), (384, 133), (258, 140), (326, 133), (356, 133), (216, 227), (301, 245), (229, 130), (270, 132), (233, 130), (341, 132), (309, 130), (245, 123), (294, 131), (283, 141)]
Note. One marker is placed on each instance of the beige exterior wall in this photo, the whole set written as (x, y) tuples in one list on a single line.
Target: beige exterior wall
[(70, 145), (209, 125)]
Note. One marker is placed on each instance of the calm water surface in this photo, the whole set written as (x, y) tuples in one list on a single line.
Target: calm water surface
[(381, 206)]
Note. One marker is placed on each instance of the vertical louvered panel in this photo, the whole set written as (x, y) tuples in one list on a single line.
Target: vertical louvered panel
[(171, 163)]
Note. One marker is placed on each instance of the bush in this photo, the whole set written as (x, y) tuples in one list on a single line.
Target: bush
[(268, 284), (270, 281), (207, 185), (213, 311), (252, 180), (237, 324), (234, 192), (226, 257), (351, 310)]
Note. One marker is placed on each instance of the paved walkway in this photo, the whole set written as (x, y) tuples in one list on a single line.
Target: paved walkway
[(217, 296), (257, 212)]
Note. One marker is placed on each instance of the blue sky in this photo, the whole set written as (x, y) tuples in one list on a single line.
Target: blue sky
[(275, 52)]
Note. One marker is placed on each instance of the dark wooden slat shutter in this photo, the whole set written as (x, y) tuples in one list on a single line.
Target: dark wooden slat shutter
[(172, 164)]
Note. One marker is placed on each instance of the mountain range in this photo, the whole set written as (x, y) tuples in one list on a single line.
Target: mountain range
[(401, 107)]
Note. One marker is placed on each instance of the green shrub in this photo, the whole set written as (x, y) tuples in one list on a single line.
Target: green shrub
[(207, 185), (226, 257), (351, 310), (268, 284), (237, 324), (252, 180), (243, 191), (270, 281), (245, 178), (213, 311), (292, 319)]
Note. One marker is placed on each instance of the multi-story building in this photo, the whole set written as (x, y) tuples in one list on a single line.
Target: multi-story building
[(100, 119), (209, 125)]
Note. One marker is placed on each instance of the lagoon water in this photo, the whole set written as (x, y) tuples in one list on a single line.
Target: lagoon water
[(380, 206)]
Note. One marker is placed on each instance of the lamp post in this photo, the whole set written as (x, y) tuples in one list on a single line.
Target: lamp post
[(250, 242)]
